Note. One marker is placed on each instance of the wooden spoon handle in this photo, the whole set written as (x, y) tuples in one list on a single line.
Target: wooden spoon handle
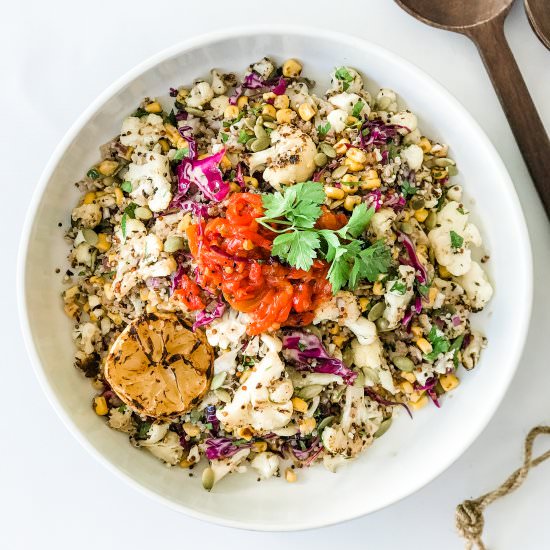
[(516, 101)]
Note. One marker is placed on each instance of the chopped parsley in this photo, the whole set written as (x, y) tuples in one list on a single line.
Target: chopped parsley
[(243, 136), (139, 112), (439, 343), (407, 189), (357, 108), (399, 287), (323, 130), (126, 186), (93, 174), (456, 240), (456, 346), (129, 212), (344, 76), (143, 429), (180, 153), (224, 137)]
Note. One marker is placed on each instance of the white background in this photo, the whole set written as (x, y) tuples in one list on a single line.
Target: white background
[(55, 58)]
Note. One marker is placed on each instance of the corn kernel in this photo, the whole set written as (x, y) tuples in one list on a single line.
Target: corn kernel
[(432, 295), (281, 102), (299, 404), (186, 463), (421, 214), (184, 223), (357, 155), (245, 375), (417, 331), (422, 402), (351, 120), (107, 167), (341, 146), (406, 387), (290, 475), (449, 381), (245, 433), (424, 345), (89, 198), (242, 101), (353, 166), (425, 144), (143, 294), (71, 310), (334, 193), (235, 187), (285, 116), (191, 429), (408, 376), (351, 202), (253, 182), (439, 150), (422, 249), (269, 110), (415, 396), (153, 107), (268, 95), (307, 425), (292, 68), (164, 145), (248, 244), (259, 447), (444, 273), (370, 184), (96, 280), (102, 243), (225, 163), (231, 111), (339, 340), (100, 406), (377, 288), (174, 136), (306, 111), (119, 196), (151, 309), (350, 178), (364, 303), (127, 155), (406, 216), (115, 317)]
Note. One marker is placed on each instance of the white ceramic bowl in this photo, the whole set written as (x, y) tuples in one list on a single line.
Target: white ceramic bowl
[(412, 453)]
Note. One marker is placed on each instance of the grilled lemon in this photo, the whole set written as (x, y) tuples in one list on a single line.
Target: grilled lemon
[(159, 367)]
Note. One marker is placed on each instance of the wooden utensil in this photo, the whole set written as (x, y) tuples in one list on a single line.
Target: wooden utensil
[(483, 22), (538, 13)]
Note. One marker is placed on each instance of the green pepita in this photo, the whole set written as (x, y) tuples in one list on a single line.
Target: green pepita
[(376, 311), (223, 395), (360, 380), (324, 423), (268, 118), (339, 172), (194, 112), (320, 159), (443, 162), (90, 236), (382, 324), (309, 392), (417, 203), (143, 213), (250, 122), (407, 228), (218, 380), (271, 125), (173, 244), (208, 478), (328, 149), (260, 144), (259, 131), (431, 220), (452, 170), (383, 428), (403, 363)]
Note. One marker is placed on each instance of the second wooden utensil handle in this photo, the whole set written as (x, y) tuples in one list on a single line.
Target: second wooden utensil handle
[(516, 101)]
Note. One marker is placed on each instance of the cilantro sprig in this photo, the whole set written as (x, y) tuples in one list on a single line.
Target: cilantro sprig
[(439, 343), (344, 76), (456, 240)]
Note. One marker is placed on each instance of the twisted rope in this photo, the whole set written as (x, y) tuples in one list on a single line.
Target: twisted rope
[(469, 514)]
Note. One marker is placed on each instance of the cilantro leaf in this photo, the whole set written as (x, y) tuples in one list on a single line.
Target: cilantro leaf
[(332, 242), (224, 137), (456, 346), (358, 221), (399, 287), (126, 186), (357, 108), (129, 212), (243, 136), (407, 189), (180, 153), (456, 240), (298, 248), (439, 343), (323, 130), (344, 76), (377, 259)]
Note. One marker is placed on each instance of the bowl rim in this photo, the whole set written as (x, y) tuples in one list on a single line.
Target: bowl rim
[(249, 31)]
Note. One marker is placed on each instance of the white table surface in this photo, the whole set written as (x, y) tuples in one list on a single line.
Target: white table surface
[(55, 57)]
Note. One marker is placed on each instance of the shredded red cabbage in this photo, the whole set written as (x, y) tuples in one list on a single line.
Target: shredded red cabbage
[(223, 447), (253, 81), (214, 310), (377, 132), (306, 352), (386, 402), (186, 132), (429, 388), (239, 176), (210, 416), (305, 453), (421, 274)]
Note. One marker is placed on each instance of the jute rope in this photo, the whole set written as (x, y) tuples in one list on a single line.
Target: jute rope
[(469, 514)]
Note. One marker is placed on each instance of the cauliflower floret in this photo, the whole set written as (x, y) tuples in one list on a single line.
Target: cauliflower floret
[(454, 193), (470, 354), (448, 292), (226, 362), (341, 307), (398, 295), (226, 331), (358, 423), (264, 67), (346, 79), (89, 214), (254, 402), (347, 102), (87, 335), (219, 104), (370, 359), (121, 420), (82, 254), (223, 466), (200, 94), (298, 93), (288, 160), (452, 218), (337, 120), (301, 379), (142, 132), (406, 120), (218, 85), (266, 464), (413, 156), (386, 100), (381, 224), (476, 285), (168, 450), (154, 434)]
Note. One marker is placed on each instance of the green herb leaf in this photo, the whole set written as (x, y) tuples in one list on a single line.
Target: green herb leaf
[(243, 136), (180, 153), (439, 343), (407, 189), (456, 346), (224, 137), (360, 219), (456, 240), (130, 210), (298, 248), (399, 287), (423, 289), (323, 130), (93, 174), (143, 429), (344, 76), (357, 108), (377, 260), (126, 186), (139, 112)]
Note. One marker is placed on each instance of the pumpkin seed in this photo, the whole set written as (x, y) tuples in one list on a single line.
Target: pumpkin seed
[(407, 228), (223, 395), (324, 423), (382, 324), (195, 415), (90, 236), (403, 363), (431, 220), (360, 380), (272, 125), (383, 428), (452, 170), (320, 159), (143, 213), (328, 149), (194, 112), (260, 144), (417, 203), (339, 172), (376, 311), (250, 122), (443, 162), (268, 118), (309, 392), (208, 478), (173, 244), (218, 380), (259, 131)]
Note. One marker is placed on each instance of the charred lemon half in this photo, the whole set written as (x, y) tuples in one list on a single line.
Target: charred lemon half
[(159, 367)]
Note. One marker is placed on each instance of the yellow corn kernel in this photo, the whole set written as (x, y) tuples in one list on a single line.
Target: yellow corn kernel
[(424, 345), (353, 166), (268, 95), (307, 425), (100, 406), (370, 184), (245, 433), (225, 163), (96, 280), (115, 317), (408, 376), (184, 223), (406, 387), (153, 107), (351, 120), (185, 463), (425, 144), (422, 402), (89, 198), (290, 475), (164, 145), (150, 308), (364, 303), (351, 202), (417, 331), (173, 135), (231, 111), (71, 310), (349, 178), (285, 116), (415, 396), (334, 193), (127, 155), (444, 273), (299, 404), (259, 447), (357, 155), (143, 294), (281, 102), (119, 196), (406, 216), (339, 340), (422, 249), (341, 146), (269, 110), (306, 111), (102, 243), (292, 68), (432, 295), (377, 288), (86, 307), (349, 189), (235, 187), (253, 182), (449, 381), (248, 244), (439, 150), (107, 167), (335, 329), (242, 101), (421, 214), (191, 429)]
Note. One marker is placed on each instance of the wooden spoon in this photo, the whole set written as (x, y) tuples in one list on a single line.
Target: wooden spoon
[(483, 22), (538, 13)]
